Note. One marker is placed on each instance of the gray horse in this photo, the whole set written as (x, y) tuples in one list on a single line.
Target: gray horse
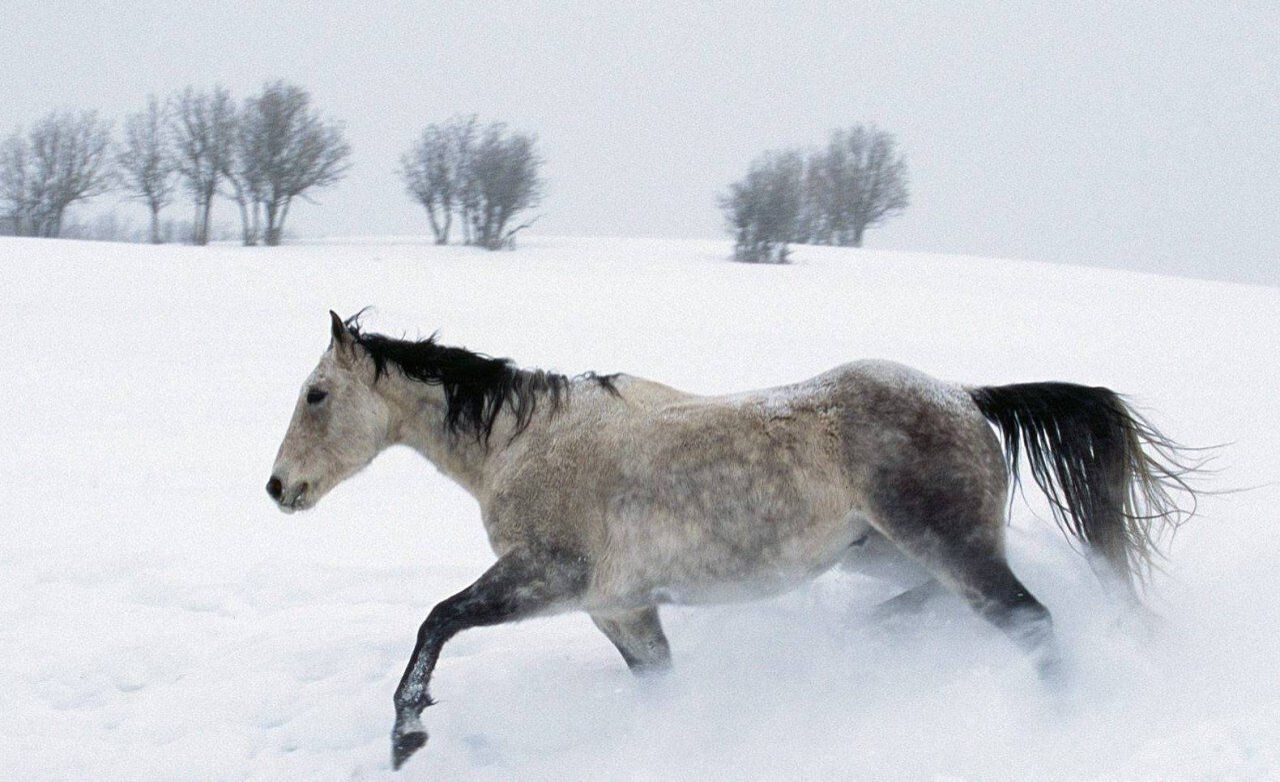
[(614, 494)]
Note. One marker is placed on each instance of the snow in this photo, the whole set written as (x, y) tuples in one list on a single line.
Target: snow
[(160, 619)]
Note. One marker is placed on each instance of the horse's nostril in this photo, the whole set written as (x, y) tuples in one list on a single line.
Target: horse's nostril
[(302, 490), (275, 488)]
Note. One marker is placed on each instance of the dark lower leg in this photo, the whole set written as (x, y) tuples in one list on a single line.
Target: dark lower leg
[(997, 594), (968, 560), (518, 585)]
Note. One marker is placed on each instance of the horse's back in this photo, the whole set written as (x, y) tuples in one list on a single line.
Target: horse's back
[(678, 495)]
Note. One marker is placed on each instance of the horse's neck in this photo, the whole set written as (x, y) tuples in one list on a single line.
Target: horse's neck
[(419, 416)]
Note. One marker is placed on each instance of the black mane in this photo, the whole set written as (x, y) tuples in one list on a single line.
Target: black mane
[(476, 386)]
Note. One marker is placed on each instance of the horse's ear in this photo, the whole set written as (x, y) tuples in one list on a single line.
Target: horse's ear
[(341, 334)]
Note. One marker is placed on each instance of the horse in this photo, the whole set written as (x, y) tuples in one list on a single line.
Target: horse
[(613, 494)]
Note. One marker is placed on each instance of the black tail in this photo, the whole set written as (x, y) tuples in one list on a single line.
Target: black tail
[(1111, 478)]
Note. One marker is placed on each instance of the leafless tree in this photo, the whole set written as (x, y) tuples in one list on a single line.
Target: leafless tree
[(811, 222), (437, 172), (146, 161), (291, 150), (505, 181), (480, 177), (856, 183), (463, 133), (203, 124), (430, 175), (762, 210), (63, 160), (830, 196), (244, 176), (15, 185)]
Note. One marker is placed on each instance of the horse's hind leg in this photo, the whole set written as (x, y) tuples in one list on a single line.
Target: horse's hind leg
[(873, 555), (997, 594), (961, 543), (638, 635)]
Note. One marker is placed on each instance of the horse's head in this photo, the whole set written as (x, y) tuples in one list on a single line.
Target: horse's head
[(339, 424)]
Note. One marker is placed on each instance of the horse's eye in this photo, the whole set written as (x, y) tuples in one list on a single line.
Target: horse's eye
[(315, 396)]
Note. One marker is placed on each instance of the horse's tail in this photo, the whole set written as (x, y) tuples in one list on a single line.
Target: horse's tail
[(1112, 479)]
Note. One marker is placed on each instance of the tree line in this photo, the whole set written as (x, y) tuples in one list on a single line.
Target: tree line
[(830, 195), (475, 180), (262, 153)]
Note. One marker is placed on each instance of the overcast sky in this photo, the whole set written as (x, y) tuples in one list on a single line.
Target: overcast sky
[(1137, 135)]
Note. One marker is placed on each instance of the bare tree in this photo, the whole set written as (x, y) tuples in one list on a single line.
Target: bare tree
[(72, 157), (203, 125), (431, 175), (463, 132), (505, 181), (291, 149), (243, 174), (831, 196), (64, 159), (763, 209), (811, 222), (437, 173), (16, 197), (481, 177), (146, 161), (856, 183)]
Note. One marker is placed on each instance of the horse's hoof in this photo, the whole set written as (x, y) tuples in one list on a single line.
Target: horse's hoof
[(403, 746)]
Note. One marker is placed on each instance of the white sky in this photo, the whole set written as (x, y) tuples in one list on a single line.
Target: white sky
[(1135, 135)]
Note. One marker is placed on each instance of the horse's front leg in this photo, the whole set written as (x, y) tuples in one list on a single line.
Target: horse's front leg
[(519, 585)]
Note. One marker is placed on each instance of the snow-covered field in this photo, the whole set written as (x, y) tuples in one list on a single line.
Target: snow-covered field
[(160, 619)]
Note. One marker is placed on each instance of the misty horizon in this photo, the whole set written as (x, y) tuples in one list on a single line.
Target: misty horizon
[(1116, 137)]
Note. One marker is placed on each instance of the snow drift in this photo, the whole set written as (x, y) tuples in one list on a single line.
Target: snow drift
[(159, 619)]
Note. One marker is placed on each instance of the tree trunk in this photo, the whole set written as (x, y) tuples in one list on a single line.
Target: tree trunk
[(155, 224), (488, 229), (270, 210), (280, 223), (256, 216), (246, 237), (500, 231), (204, 216), (857, 235), (275, 227), (207, 222), (441, 233), (466, 225)]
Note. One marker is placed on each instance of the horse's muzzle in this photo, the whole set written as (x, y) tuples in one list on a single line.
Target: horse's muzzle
[(291, 498)]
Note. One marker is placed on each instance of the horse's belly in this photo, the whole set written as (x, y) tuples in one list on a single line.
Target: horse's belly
[(729, 560)]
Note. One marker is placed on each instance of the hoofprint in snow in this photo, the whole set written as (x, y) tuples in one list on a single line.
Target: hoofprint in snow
[(161, 620)]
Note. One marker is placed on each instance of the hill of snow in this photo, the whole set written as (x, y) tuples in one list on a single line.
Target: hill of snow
[(160, 619)]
